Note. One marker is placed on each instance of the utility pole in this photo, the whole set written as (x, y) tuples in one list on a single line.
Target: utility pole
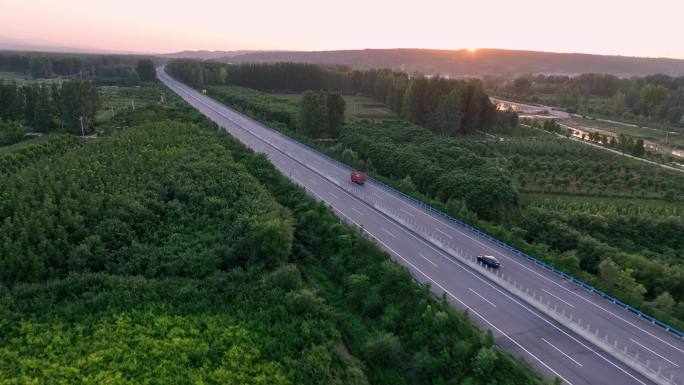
[(82, 129)]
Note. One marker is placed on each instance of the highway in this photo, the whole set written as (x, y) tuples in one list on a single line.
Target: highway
[(421, 240)]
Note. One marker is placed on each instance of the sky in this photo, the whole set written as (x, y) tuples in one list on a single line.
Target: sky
[(653, 28)]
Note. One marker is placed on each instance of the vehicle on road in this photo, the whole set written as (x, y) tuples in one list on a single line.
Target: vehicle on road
[(358, 177), (489, 261)]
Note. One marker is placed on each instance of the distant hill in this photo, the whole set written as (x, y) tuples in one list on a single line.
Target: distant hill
[(466, 63), (205, 55)]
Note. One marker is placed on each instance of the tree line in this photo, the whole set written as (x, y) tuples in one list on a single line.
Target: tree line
[(444, 106), (174, 251), (480, 182), (43, 65), (655, 98), (45, 108), (622, 142)]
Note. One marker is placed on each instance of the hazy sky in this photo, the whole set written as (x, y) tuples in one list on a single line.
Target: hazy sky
[(626, 27)]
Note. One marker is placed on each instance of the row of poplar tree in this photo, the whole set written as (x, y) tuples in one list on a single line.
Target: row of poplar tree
[(50, 107)]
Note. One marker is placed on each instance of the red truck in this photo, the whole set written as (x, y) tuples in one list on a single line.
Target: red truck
[(358, 177)]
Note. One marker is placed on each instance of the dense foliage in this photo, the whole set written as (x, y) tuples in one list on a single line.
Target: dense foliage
[(41, 65), (45, 108), (171, 254), (321, 114), (442, 105), (653, 99), (621, 142), (481, 180), (12, 158)]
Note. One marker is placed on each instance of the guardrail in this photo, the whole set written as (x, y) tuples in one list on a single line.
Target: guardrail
[(621, 353), (483, 234)]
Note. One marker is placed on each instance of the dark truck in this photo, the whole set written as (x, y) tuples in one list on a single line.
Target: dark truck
[(358, 177)]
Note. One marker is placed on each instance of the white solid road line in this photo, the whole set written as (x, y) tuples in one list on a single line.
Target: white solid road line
[(483, 298), (561, 352), (406, 212), (466, 235), (470, 309), (558, 298), (426, 258), (443, 233), (631, 339), (444, 289), (387, 231), (357, 211), (500, 254)]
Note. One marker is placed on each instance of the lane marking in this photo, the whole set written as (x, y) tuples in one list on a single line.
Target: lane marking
[(387, 231), (426, 258), (470, 309), (443, 233), (561, 352), (334, 196), (449, 293), (631, 339), (406, 212), (558, 298), (378, 196), (357, 211), (514, 260), (483, 298)]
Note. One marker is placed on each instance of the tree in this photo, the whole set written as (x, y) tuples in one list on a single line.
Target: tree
[(335, 109), (609, 273), (619, 104), (146, 70), (522, 85), (313, 114), (652, 98), (664, 302), (80, 99), (448, 114)]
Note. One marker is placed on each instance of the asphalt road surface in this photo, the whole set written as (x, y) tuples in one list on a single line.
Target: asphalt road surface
[(519, 328)]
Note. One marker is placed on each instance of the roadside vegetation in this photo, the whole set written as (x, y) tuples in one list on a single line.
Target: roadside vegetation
[(165, 251), (612, 221), (649, 108)]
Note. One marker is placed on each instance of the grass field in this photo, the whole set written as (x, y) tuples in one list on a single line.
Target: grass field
[(357, 106), (115, 98)]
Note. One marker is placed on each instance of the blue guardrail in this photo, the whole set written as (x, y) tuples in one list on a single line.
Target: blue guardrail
[(545, 265)]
